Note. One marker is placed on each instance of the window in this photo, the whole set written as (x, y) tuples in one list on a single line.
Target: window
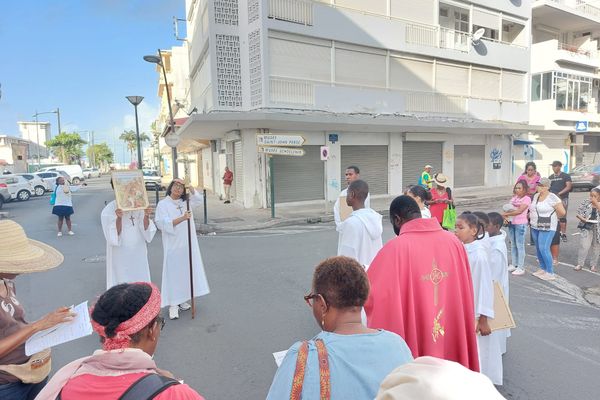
[(461, 21), (443, 12), (541, 86), (547, 86), (573, 92), (536, 87)]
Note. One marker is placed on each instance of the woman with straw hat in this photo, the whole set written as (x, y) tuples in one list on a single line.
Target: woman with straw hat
[(21, 376), (441, 197)]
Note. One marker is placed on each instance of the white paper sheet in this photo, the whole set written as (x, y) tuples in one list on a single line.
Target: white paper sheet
[(62, 333), (279, 356)]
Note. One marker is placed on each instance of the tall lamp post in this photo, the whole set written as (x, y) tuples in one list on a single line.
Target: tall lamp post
[(37, 128), (158, 60), (136, 100)]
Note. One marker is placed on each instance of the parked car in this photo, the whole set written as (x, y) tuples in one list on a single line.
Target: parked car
[(583, 176), (4, 193), (91, 173), (152, 179), (18, 187), (49, 177), (74, 171), (595, 176), (39, 185)]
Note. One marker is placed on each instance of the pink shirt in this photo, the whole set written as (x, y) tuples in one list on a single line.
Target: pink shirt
[(517, 201)]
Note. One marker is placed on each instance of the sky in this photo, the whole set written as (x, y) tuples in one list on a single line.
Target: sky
[(84, 57)]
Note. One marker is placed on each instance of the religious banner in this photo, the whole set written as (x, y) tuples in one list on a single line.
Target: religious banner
[(130, 190), (345, 209)]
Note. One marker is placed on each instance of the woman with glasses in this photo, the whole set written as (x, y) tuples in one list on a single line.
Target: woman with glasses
[(346, 360), (127, 319)]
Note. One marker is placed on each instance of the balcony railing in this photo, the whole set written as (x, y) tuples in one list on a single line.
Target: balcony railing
[(574, 50), (437, 36), (297, 11)]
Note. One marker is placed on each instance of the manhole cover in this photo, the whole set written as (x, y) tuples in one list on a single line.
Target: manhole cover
[(94, 259), (231, 219)]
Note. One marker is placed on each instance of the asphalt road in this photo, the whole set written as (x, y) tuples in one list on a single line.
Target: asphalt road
[(255, 307)]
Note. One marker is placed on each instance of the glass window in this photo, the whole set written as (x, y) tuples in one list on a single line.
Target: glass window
[(536, 87), (561, 93), (547, 86), (584, 96)]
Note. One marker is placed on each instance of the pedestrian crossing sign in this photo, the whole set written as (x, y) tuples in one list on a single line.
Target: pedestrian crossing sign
[(581, 126)]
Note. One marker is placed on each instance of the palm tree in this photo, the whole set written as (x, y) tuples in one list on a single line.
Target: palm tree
[(130, 138)]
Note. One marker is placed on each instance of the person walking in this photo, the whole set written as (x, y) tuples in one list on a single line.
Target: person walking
[(544, 211), (63, 204), (517, 226), (227, 181), (172, 218), (561, 185), (589, 230), (352, 174), (441, 197), (21, 376), (425, 180)]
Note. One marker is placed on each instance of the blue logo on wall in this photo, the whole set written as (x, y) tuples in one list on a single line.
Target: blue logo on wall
[(581, 126), (496, 158)]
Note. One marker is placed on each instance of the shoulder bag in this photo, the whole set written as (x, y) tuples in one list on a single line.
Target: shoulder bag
[(53, 197), (324, 375), (543, 223), (449, 218)]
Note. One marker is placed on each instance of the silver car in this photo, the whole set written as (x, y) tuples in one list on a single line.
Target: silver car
[(40, 187), (18, 187), (4, 193)]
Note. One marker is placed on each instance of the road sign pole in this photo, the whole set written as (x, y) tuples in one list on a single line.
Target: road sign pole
[(272, 180)]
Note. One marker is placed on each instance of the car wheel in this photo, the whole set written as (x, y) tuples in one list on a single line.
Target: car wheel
[(23, 195), (76, 181), (40, 190)]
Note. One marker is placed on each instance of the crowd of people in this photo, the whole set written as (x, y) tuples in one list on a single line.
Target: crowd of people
[(422, 302)]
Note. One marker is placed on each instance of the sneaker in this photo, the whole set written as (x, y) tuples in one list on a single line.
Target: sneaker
[(71, 233), (184, 306), (563, 237), (555, 262), (593, 268), (547, 277), (227, 202), (173, 312), (578, 268), (59, 234), (539, 272), (518, 272), (512, 268)]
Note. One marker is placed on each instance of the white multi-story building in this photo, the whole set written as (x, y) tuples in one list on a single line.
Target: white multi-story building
[(565, 86), (387, 85), (37, 133)]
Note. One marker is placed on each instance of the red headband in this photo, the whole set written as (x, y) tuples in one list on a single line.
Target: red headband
[(133, 325)]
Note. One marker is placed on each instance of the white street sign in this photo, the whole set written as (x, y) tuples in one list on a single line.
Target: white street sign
[(282, 151), (172, 140), (280, 140)]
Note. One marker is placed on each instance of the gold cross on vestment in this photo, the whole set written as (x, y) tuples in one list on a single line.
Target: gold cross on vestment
[(436, 276), (180, 208), (132, 220)]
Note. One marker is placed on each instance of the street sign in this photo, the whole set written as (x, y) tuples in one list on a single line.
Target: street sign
[(282, 151), (280, 140), (172, 140), (324, 153), (333, 137), (581, 126)]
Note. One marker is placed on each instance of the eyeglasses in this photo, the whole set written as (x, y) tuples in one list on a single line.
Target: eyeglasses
[(309, 298), (161, 322)]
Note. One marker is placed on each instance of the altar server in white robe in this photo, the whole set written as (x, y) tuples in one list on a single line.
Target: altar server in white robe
[(171, 219), (352, 174), (360, 234), (471, 232), (126, 234)]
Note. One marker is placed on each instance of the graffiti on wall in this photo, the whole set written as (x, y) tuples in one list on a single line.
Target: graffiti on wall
[(496, 158)]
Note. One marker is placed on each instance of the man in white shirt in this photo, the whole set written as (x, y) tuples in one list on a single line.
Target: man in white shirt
[(352, 174), (360, 233)]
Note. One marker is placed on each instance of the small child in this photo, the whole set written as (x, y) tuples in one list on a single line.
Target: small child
[(471, 231)]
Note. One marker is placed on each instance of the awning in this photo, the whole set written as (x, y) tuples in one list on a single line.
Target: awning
[(522, 141)]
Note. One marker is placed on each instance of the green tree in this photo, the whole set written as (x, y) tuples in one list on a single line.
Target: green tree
[(130, 138), (67, 146), (100, 154)]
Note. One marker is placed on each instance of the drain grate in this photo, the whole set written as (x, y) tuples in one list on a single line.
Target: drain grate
[(94, 259), (231, 219)]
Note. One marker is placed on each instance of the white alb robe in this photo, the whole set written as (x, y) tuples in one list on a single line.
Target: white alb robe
[(360, 236), (126, 254), (490, 354), (336, 207), (499, 266), (175, 287)]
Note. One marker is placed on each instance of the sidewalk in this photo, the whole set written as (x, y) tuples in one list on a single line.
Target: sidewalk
[(224, 218)]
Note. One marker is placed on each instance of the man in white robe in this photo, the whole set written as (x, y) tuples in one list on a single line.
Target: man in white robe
[(360, 234), (126, 234), (352, 174), (172, 219)]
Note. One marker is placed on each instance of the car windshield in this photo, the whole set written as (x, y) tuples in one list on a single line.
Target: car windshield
[(150, 173)]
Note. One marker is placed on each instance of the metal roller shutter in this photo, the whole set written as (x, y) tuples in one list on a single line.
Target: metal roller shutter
[(415, 156), (373, 164), (469, 166), (300, 178), (238, 172)]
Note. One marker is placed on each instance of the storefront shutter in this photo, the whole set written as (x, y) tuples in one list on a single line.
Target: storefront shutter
[(469, 166), (373, 164), (300, 178), (238, 173), (415, 155)]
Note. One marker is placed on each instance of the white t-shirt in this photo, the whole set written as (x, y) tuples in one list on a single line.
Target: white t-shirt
[(544, 209), (425, 213)]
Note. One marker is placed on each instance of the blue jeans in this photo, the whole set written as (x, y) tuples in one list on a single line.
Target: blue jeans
[(21, 391), (543, 241), (516, 234)]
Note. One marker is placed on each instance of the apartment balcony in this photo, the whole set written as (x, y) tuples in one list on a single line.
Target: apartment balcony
[(585, 54), (569, 15)]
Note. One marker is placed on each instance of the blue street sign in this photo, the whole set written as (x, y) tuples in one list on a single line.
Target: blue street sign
[(333, 137), (581, 126)]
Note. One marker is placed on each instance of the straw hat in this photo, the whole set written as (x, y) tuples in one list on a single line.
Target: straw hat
[(20, 255), (440, 179)]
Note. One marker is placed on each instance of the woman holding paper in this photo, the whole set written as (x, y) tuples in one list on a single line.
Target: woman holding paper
[(21, 376), (589, 239)]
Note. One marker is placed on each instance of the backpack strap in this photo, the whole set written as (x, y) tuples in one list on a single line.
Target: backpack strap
[(324, 375), (298, 381), (148, 387)]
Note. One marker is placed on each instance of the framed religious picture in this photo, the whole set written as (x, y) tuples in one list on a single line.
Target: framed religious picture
[(503, 318), (345, 209), (130, 190)]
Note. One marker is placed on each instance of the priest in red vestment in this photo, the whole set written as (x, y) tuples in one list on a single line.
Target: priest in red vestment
[(421, 288)]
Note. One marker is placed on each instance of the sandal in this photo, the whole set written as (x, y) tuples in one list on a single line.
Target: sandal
[(578, 268), (593, 268)]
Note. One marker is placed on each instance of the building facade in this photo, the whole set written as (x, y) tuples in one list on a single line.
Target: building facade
[(387, 85), (14, 153), (37, 133)]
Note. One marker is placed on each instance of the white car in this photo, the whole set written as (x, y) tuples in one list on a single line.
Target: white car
[(49, 177), (74, 171), (18, 187), (40, 187), (91, 173)]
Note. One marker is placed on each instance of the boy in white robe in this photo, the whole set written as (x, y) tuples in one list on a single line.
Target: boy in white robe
[(126, 234), (171, 218), (360, 234), (352, 173)]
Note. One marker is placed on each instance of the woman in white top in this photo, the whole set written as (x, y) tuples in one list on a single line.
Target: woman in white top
[(63, 204), (544, 211), (421, 196)]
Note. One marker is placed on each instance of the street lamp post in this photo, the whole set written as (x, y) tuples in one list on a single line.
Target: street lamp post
[(136, 100), (158, 60), (37, 128), (57, 112)]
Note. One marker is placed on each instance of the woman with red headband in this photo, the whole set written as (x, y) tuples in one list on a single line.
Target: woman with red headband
[(127, 318)]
